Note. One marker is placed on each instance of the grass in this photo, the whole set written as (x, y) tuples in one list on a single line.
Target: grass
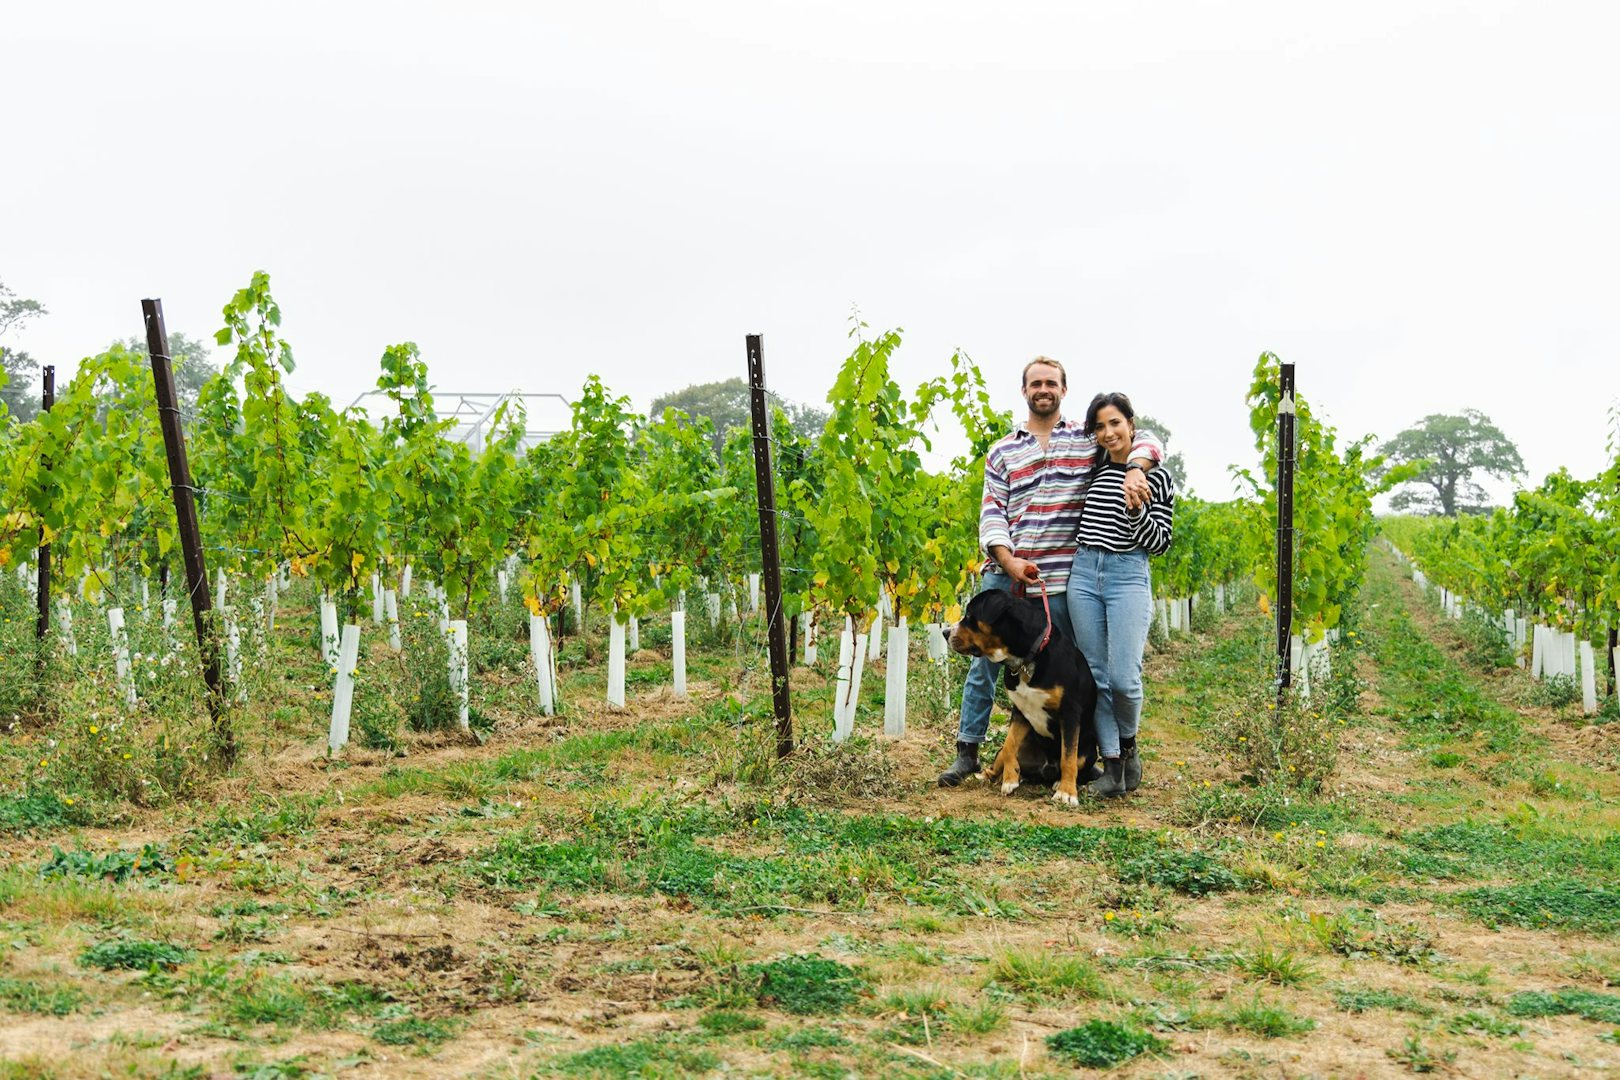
[(1280, 967), (1546, 905), (1572, 1001), (134, 955), (1102, 1044), (835, 915), (33, 996), (642, 1057), (1046, 975), (1360, 1001), (1266, 1020), (806, 985)]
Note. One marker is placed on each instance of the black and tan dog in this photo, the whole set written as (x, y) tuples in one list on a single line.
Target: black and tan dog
[(1054, 697)]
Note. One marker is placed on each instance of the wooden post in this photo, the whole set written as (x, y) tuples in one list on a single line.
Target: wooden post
[(1285, 530), (765, 481), (42, 624), (185, 510)]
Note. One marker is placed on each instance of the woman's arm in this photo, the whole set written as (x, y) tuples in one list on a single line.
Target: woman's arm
[(1152, 526)]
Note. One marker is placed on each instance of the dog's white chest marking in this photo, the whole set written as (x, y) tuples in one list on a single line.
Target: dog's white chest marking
[(1032, 703)]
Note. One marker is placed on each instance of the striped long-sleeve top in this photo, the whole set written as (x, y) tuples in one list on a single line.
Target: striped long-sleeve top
[(1033, 497), (1106, 522)]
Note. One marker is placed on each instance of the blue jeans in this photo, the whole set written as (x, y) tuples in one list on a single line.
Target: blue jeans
[(1111, 596), (980, 692)]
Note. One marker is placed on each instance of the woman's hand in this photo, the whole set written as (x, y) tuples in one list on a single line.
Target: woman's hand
[(1138, 492)]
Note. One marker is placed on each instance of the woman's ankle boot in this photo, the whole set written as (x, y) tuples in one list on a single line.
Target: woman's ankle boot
[(1112, 782), (1133, 763)]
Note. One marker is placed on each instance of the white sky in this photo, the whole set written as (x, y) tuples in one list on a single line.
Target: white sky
[(1418, 203)]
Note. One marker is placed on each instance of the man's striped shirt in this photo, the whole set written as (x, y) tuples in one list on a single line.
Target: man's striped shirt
[(1106, 523), (1033, 497)]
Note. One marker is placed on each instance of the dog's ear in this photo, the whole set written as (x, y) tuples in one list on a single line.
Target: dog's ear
[(1029, 622)]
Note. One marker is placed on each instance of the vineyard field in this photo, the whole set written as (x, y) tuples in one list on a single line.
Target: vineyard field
[(650, 892)]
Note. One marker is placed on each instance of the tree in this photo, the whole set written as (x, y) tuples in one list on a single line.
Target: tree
[(1449, 449), (16, 310), (19, 372), (19, 384), (727, 406), (192, 368), (1173, 462)]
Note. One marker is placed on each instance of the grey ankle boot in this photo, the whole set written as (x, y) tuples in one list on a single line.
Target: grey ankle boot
[(965, 765), (1112, 782), (1133, 764)]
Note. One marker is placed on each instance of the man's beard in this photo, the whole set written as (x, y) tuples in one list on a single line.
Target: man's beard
[(1043, 409)]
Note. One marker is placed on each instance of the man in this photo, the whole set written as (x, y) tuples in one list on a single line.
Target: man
[(1034, 488)]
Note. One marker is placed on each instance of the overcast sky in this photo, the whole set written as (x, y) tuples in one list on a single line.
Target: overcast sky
[(1417, 203)]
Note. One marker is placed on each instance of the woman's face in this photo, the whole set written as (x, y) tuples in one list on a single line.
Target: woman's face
[(1114, 431)]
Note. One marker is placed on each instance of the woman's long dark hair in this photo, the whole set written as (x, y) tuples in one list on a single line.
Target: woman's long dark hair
[(1118, 401)]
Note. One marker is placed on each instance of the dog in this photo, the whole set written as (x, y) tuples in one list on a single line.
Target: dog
[(1053, 694)]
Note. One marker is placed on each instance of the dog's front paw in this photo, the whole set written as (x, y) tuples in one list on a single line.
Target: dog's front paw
[(1066, 798), (1010, 786)]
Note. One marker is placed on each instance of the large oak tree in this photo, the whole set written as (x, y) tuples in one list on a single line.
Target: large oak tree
[(1451, 449)]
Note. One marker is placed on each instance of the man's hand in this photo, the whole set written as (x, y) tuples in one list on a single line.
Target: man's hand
[(1138, 493), (1022, 570)]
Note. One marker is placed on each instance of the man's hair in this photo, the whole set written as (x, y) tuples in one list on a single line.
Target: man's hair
[(1049, 362)]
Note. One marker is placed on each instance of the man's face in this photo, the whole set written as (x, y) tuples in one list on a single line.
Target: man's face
[(1044, 390)]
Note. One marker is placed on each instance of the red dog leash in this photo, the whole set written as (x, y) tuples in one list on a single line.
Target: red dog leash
[(1020, 589)]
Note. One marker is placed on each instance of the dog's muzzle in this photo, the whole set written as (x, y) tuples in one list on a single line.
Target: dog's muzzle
[(957, 640)]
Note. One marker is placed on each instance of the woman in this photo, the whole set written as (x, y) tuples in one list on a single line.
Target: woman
[(1110, 590)]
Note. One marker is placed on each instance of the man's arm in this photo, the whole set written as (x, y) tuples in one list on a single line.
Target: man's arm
[(995, 533), (1147, 451)]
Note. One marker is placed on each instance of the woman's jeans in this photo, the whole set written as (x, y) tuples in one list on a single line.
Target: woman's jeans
[(980, 692), (1111, 603)]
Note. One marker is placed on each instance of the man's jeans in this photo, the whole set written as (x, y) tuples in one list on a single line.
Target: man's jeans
[(1111, 597), (980, 692)]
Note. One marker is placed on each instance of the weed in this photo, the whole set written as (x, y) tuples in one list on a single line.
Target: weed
[(1267, 1020), (1553, 904), (921, 1010), (134, 955), (834, 773), (807, 1038), (806, 984), (28, 996), (644, 1057), (1554, 692), (1192, 873), (727, 1022), (1360, 935), (115, 866), (1489, 646), (274, 999), (1469, 1022), (1280, 967), (1359, 1001), (1571, 1001), (980, 1018), (1101, 1044), (1046, 974), (1418, 1058), (1294, 745), (39, 811), (415, 1031), (1445, 759), (376, 713)]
